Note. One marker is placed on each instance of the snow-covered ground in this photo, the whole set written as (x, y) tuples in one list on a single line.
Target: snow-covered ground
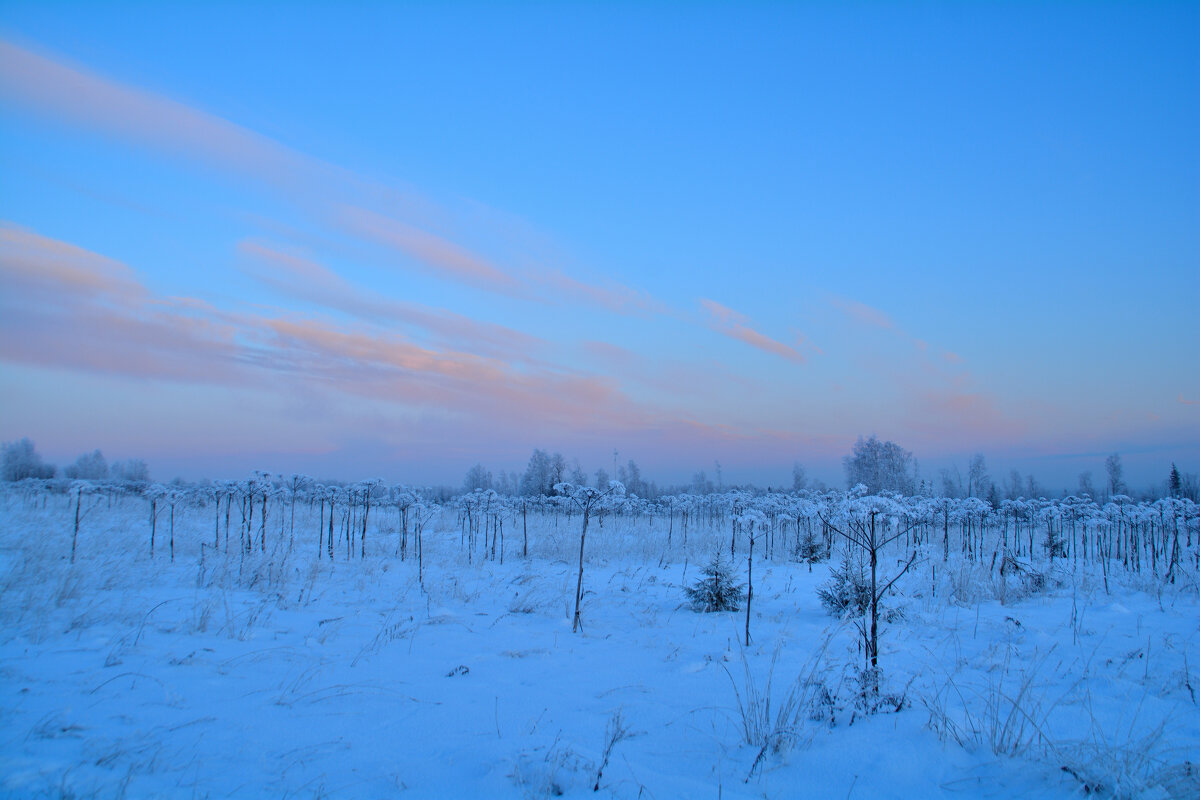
[(280, 675)]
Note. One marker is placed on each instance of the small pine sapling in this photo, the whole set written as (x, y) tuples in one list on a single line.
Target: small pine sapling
[(810, 548), (716, 591), (848, 590)]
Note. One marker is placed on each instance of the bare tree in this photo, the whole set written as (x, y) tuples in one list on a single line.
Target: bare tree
[(587, 499), (81, 488), (864, 530)]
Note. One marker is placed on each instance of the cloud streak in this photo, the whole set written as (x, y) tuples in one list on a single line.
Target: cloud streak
[(310, 281), (98, 318), (441, 256), (37, 264), (726, 321), (863, 313), (79, 96), (338, 198)]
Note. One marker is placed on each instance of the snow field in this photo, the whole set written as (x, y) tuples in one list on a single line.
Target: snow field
[(279, 674)]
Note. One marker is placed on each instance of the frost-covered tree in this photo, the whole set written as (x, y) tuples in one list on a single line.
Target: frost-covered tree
[(951, 482), (478, 477), (978, 481), (1116, 472), (1014, 487), (1174, 482), (631, 476), (880, 466), (133, 470), (507, 483), (21, 461), (88, 467), (558, 471), (799, 478), (542, 473)]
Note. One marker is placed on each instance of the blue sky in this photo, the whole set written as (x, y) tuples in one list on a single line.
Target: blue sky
[(359, 239)]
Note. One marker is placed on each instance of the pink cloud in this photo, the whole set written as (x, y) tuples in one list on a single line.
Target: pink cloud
[(192, 342), (340, 198), (420, 399), (610, 353), (80, 96), (951, 416), (30, 261), (1184, 402), (734, 325), (308, 280), (440, 255), (616, 298), (863, 313), (449, 260)]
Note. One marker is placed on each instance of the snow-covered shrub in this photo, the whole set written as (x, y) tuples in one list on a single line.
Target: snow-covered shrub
[(716, 591), (810, 549), (848, 591), (872, 696)]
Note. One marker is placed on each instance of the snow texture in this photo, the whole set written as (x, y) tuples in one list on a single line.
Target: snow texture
[(278, 673)]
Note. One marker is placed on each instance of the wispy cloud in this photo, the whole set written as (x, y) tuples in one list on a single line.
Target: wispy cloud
[(308, 280), (615, 297), (77, 95), (349, 203), (32, 262), (949, 416), (863, 313), (98, 317), (736, 326), (441, 256)]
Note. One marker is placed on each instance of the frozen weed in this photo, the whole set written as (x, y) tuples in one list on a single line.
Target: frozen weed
[(1014, 713), (614, 733), (807, 700), (1123, 760), (555, 773), (1009, 715), (395, 626)]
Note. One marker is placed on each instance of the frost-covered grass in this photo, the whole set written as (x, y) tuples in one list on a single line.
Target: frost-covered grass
[(278, 674)]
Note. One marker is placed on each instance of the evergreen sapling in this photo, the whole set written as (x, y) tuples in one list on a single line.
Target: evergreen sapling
[(716, 591)]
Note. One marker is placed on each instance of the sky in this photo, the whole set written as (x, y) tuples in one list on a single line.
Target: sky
[(357, 240)]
